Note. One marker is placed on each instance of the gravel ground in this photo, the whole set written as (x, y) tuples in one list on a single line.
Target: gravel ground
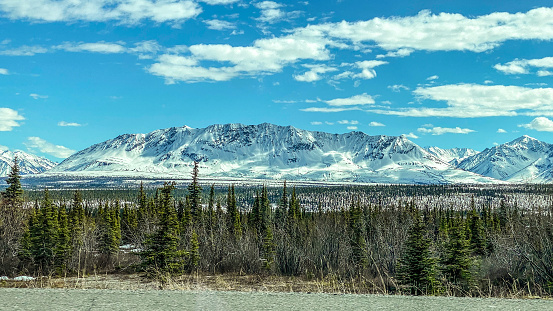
[(137, 300)]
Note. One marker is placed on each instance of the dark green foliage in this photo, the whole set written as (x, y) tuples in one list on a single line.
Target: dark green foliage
[(161, 254), (110, 230), (13, 195), (233, 215), (268, 250), (455, 261), (416, 267), (477, 239), (357, 236), (194, 252), (195, 196)]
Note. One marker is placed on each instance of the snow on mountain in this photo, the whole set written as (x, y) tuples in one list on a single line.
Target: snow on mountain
[(453, 156), (28, 163), (266, 151), (523, 160)]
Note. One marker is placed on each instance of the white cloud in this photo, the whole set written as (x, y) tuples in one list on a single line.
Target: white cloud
[(501, 131), (9, 119), (355, 100), (316, 123), (327, 109), (329, 123), (367, 71), (443, 31), (4, 148), (432, 78), (217, 24), (124, 11), (410, 135), (444, 130), (263, 57), (374, 123), (24, 50), (219, 2), (37, 143), (540, 124), (352, 122), (397, 88), (523, 66), (37, 96), (314, 74), (271, 12), (4, 71), (63, 123), (352, 128), (146, 49), (97, 47), (544, 73), (473, 100), (397, 53)]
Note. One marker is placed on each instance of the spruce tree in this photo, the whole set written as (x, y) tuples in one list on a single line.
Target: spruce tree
[(161, 254), (268, 250), (477, 237), (455, 261), (194, 252), (233, 215), (416, 266), (13, 195), (195, 193), (44, 235), (357, 236)]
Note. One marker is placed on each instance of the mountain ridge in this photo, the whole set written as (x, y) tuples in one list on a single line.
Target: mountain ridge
[(27, 163), (267, 151)]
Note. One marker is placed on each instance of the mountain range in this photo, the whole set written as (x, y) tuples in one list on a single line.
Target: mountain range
[(27, 163), (272, 152)]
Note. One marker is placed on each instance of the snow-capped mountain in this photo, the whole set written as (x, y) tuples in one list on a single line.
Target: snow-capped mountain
[(266, 151), (453, 156), (523, 160), (28, 163)]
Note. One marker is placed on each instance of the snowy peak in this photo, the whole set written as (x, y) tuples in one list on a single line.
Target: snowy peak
[(28, 163), (524, 159), (452, 156), (266, 151)]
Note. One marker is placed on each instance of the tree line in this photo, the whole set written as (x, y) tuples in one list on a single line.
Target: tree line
[(382, 246)]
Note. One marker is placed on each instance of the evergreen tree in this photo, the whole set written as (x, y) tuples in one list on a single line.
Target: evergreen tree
[(211, 207), (283, 205), (195, 193), (161, 254), (13, 195), (194, 251), (477, 237), (416, 266), (268, 250), (357, 236), (455, 261), (63, 242), (44, 235), (233, 215)]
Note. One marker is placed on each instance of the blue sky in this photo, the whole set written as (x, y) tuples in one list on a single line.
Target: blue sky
[(444, 73)]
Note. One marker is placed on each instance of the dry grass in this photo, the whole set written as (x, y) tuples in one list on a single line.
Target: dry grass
[(202, 281)]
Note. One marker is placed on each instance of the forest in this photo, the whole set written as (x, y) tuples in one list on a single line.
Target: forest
[(458, 240)]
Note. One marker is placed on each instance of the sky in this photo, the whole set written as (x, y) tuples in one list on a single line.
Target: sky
[(444, 73)]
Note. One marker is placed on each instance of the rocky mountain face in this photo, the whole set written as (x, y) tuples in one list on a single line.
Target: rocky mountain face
[(28, 163), (267, 151)]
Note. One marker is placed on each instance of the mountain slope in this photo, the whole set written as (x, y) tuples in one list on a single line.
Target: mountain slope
[(266, 151), (453, 156), (28, 163), (524, 159)]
